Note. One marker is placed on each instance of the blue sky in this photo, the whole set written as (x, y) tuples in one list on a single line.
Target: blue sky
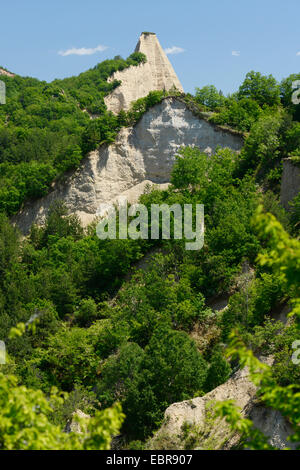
[(222, 39)]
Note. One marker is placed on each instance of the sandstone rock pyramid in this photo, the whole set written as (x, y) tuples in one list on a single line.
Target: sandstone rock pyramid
[(137, 82), (141, 155)]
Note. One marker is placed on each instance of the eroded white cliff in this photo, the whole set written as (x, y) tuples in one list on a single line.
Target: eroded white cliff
[(142, 154), (215, 435), (137, 82)]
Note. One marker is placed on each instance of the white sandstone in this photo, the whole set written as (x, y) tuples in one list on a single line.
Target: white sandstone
[(156, 74), (141, 155)]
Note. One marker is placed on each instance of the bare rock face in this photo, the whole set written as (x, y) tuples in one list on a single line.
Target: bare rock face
[(73, 425), (290, 183), (194, 414), (141, 155), (272, 424), (137, 82), (6, 73)]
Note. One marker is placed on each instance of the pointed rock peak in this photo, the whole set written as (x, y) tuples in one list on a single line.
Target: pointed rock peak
[(156, 74), (162, 70), (146, 36)]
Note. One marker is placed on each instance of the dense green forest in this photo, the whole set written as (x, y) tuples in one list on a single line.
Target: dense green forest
[(86, 328)]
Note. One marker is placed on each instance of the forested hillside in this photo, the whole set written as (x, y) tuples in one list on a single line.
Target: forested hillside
[(45, 129), (77, 313)]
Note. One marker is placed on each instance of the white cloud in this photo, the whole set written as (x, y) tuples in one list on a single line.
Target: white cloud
[(174, 50), (236, 53), (298, 53), (82, 50)]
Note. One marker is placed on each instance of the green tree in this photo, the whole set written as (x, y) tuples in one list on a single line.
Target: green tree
[(67, 359), (59, 224), (209, 96), (118, 373), (25, 424), (261, 88), (218, 372), (86, 312), (240, 114), (189, 169), (172, 370), (262, 147), (69, 158)]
